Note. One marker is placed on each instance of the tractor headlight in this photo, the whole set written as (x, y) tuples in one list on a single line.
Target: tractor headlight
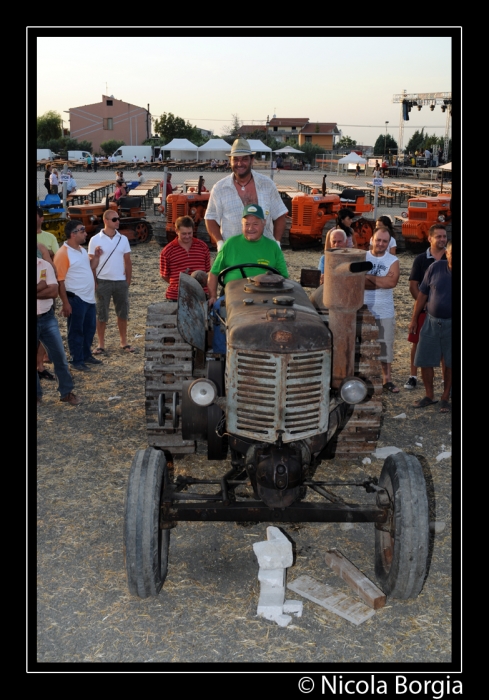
[(353, 390), (203, 392)]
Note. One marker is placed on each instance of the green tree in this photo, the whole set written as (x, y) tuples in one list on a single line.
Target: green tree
[(169, 127), (109, 147), (310, 151), (48, 127), (415, 142), (380, 149), (346, 142)]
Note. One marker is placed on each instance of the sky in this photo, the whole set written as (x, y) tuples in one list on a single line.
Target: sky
[(350, 81)]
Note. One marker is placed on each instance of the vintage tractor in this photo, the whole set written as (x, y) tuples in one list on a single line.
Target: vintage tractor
[(194, 204), (312, 212), (296, 386), (132, 222), (422, 213)]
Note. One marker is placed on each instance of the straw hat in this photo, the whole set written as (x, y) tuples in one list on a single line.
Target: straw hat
[(241, 147)]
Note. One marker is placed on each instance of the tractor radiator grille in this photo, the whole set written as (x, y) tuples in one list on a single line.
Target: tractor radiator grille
[(267, 393), (418, 215)]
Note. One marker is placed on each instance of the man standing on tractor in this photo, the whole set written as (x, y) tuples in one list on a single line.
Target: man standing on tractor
[(379, 298), (243, 187), (437, 238)]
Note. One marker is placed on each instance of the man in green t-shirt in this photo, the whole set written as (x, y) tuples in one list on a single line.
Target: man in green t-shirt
[(250, 247)]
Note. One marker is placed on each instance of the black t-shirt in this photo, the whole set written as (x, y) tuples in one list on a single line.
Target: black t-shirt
[(421, 264)]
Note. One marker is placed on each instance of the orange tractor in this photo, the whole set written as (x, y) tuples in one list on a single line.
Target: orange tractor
[(311, 212), (194, 204), (132, 222), (422, 213)]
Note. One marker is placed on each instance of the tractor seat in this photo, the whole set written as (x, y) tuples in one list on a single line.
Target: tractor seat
[(130, 202), (350, 195)]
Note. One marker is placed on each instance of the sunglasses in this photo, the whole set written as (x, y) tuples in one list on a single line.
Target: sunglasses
[(115, 219), (80, 230)]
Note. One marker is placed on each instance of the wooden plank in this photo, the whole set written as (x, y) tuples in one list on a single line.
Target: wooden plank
[(357, 581), (332, 599)]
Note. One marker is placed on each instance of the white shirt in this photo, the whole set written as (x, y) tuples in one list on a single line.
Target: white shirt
[(45, 272), (114, 269), (225, 205), (380, 302)]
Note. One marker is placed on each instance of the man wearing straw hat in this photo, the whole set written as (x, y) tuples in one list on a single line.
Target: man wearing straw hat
[(243, 187)]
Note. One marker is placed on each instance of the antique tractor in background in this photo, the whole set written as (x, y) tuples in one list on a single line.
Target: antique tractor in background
[(132, 222), (422, 213), (296, 386)]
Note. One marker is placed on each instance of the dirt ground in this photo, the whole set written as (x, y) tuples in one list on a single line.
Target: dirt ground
[(206, 611)]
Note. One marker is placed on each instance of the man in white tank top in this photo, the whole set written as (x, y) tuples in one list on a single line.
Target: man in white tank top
[(379, 298)]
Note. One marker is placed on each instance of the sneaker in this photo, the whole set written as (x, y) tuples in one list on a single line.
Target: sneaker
[(80, 366), (411, 383), (93, 361), (71, 399)]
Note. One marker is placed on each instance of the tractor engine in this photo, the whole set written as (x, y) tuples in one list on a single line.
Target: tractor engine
[(281, 398)]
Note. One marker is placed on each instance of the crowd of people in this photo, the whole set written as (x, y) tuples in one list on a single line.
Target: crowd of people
[(245, 219)]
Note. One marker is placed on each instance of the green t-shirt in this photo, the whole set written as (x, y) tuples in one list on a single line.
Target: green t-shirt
[(237, 250), (49, 240)]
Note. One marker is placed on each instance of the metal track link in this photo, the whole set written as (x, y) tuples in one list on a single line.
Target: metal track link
[(169, 362)]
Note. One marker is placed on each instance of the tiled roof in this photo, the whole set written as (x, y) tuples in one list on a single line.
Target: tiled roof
[(324, 128), (279, 121)]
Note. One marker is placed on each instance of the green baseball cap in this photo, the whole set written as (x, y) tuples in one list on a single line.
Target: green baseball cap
[(255, 210)]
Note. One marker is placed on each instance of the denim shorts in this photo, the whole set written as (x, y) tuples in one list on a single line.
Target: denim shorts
[(435, 342), (116, 290)]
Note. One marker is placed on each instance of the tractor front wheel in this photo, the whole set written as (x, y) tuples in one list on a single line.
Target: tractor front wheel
[(146, 544), (401, 544)]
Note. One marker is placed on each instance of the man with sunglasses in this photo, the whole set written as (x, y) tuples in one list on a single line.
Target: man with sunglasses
[(113, 276), (77, 291), (244, 186)]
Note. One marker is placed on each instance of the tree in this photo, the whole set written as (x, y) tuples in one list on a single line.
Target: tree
[(109, 147), (48, 127), (233, 130), (310, 150), (416, 141), (380, 149), (346, 142), (169, 127)]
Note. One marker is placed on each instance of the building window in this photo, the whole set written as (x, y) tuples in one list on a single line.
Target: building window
[(294, 128), (308, 139), (109, 103), (275, 128), (108, 123)]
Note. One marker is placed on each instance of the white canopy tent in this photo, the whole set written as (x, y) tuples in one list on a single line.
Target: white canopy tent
[(214, 148), (182, 149), (351, 158), (258, 146), (446, 166), (287, 149)]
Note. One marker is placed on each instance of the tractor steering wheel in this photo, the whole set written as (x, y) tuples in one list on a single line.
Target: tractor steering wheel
[(241, 267)]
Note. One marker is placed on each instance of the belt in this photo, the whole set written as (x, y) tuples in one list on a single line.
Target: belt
[(70, 294)]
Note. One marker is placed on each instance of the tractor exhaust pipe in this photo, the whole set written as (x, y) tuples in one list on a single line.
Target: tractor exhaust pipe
[(344, 286)]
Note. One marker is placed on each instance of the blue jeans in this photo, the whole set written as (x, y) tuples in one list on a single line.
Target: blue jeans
[(81, 329), (48, 333)]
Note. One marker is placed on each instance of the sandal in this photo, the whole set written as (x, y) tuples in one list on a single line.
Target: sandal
[(99, 351), (445, 407), (424, 403), (389, 386), (127, 348)]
